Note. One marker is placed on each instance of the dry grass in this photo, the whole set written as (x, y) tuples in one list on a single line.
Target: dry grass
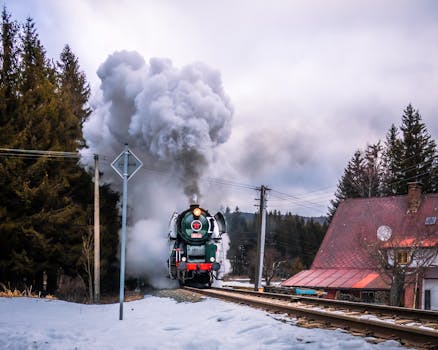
[(7, 292)]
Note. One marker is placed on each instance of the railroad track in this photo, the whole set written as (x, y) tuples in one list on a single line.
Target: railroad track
[(422, 318), (410, 327)]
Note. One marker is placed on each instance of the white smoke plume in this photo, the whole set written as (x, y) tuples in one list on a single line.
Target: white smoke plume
[(173, 119)]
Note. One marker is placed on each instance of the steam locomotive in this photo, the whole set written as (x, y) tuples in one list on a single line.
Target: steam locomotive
[(194, 246)]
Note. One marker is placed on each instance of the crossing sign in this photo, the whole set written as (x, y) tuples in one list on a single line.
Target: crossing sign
[(126, 165), (134, 164)]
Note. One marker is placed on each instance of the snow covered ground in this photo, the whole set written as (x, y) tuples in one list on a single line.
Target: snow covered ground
[(160, 323)]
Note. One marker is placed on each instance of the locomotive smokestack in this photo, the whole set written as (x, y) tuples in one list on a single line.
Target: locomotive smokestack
[(194, 199)]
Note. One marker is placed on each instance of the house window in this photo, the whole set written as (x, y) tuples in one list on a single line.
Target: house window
[(402, 257)]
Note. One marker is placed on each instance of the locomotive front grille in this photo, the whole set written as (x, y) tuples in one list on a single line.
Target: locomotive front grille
[(196, 250), (196, 253)]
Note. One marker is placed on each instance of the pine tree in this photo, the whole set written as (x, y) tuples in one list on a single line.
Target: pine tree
[(36, 90), (434, 177), (373, 170), (9, 203), (392, 164), (8, 77), (361, 178), (43, 206), (74, 92), (45, 203), (351, 184), (419, 151), (386, 171)]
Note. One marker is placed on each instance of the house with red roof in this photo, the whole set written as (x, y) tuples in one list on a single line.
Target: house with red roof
[(401, 229)]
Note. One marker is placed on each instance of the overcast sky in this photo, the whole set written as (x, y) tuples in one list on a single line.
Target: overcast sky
[(310, 82)]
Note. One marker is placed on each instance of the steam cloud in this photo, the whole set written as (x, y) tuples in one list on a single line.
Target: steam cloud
[(176, 117), (173, 119)]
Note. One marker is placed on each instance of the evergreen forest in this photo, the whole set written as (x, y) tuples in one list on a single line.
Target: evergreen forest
[(407, 154), (46, 198)]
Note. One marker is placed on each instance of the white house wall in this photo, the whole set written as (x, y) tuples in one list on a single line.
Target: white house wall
[(431, 284)]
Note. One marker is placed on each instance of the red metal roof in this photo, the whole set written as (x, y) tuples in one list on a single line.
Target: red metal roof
[(337, 279), (356, 222), (343, 261)]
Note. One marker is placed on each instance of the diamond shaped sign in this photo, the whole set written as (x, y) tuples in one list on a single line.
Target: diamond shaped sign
[(133, 164)]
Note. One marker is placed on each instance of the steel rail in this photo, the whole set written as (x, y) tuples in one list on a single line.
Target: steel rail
[(424, 337), (414, 314)]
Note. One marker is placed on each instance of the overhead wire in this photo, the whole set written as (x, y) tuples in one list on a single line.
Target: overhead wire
[(297, 200), (38, 153), (61, 155)]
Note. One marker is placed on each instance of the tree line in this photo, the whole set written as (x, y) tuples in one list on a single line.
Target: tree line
[(408, 154), (46, 203), (291, 243)]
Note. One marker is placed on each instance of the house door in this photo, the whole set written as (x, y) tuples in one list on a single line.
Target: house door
[(430, 296)]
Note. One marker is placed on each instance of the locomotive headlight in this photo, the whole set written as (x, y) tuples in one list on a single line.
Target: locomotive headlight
[(212, 259), (183, 258), (197, 212)]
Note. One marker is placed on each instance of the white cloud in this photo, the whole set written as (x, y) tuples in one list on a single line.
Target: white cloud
[(336, 74)]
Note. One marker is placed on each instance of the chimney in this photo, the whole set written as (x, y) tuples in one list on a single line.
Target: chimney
[(414, 197)]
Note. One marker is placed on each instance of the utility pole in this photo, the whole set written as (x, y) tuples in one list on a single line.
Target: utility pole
[(261, 239), (96, 232)]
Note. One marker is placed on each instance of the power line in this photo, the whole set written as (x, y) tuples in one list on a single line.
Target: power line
[(228, 183), (297, 200), (37, 153), (62, 155), (312, 207)]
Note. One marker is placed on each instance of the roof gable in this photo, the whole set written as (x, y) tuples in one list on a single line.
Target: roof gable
[(356, 221)]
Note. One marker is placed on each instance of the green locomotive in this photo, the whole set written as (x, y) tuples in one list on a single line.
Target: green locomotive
[(194, 244)]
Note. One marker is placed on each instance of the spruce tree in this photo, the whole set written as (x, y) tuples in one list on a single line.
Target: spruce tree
[(373, 170), (8, 77), (386, 171), (418, 150), (351, 184), (46, 207), (392, 164), (74, 92), (45, 203), (434, 177), (9, 167)]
